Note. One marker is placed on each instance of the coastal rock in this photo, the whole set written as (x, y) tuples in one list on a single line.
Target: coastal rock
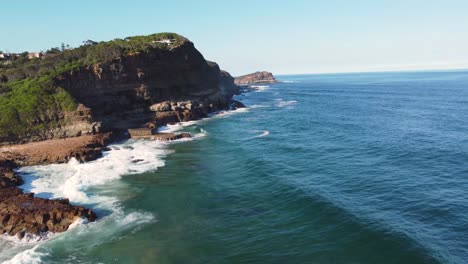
[(236, 105), (256, 78), (84, 148), (22, 213), (7, 177)]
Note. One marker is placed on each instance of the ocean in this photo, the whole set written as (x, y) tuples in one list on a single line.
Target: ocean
[(329, 168)]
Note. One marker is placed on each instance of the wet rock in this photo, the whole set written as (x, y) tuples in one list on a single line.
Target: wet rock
[(22, 213), (236, 105)]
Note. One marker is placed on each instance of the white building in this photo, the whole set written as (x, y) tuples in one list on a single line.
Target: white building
[(34, 55), (164, 41)]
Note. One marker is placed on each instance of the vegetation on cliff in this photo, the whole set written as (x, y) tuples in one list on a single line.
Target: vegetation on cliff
[(29, 95)]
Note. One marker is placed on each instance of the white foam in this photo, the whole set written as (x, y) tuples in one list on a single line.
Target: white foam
[(28, 239), (260, 88), (264, 134), (176, 127), (258, 106), (71, 180), (78, 223), (182, 125), (30, 256), (288, 104), (224, 114)]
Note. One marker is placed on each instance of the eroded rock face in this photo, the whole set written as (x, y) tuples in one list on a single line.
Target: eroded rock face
[(256, 78), (23, 213), (131, 91)]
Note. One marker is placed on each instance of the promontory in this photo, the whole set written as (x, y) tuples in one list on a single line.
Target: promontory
[(70, 102), (260, 77)]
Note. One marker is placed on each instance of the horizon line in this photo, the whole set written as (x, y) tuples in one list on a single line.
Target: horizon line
[(377, 71)]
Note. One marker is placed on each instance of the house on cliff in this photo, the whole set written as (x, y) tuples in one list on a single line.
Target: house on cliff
[(32, 55), (164, 41), (5, 56)]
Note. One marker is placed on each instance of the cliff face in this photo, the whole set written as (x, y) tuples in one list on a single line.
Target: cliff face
[(119, 94), (256, 78)]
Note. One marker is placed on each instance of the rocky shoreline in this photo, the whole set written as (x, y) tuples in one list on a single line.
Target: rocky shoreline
[(22, 213), (143, 87)]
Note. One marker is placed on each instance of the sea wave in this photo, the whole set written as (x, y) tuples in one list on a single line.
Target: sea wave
[(30, 256), (264, 134), (173, 128), (287, 104), (74, 180), (258, 106), (260, 88), (224, 114)]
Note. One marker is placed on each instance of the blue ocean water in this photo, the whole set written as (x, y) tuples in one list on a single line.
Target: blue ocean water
[(333, 168)]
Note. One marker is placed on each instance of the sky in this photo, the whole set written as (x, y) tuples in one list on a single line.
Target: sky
[(284, 37)]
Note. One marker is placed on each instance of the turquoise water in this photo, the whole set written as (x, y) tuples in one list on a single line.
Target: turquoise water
[(337, 168)]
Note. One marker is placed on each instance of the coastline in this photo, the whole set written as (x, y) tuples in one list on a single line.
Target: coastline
[(22, 214)]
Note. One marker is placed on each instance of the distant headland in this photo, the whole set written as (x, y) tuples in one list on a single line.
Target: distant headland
[(260, 77)]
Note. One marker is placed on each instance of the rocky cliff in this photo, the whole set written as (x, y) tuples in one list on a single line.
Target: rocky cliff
[(128, 89), (123, 93), (255, 78), (83, 95)]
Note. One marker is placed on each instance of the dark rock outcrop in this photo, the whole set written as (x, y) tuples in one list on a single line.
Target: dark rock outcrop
[(256, 78), (22, 213)]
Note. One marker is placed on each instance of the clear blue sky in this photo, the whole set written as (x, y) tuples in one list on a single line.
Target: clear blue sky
[(291, 36)]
